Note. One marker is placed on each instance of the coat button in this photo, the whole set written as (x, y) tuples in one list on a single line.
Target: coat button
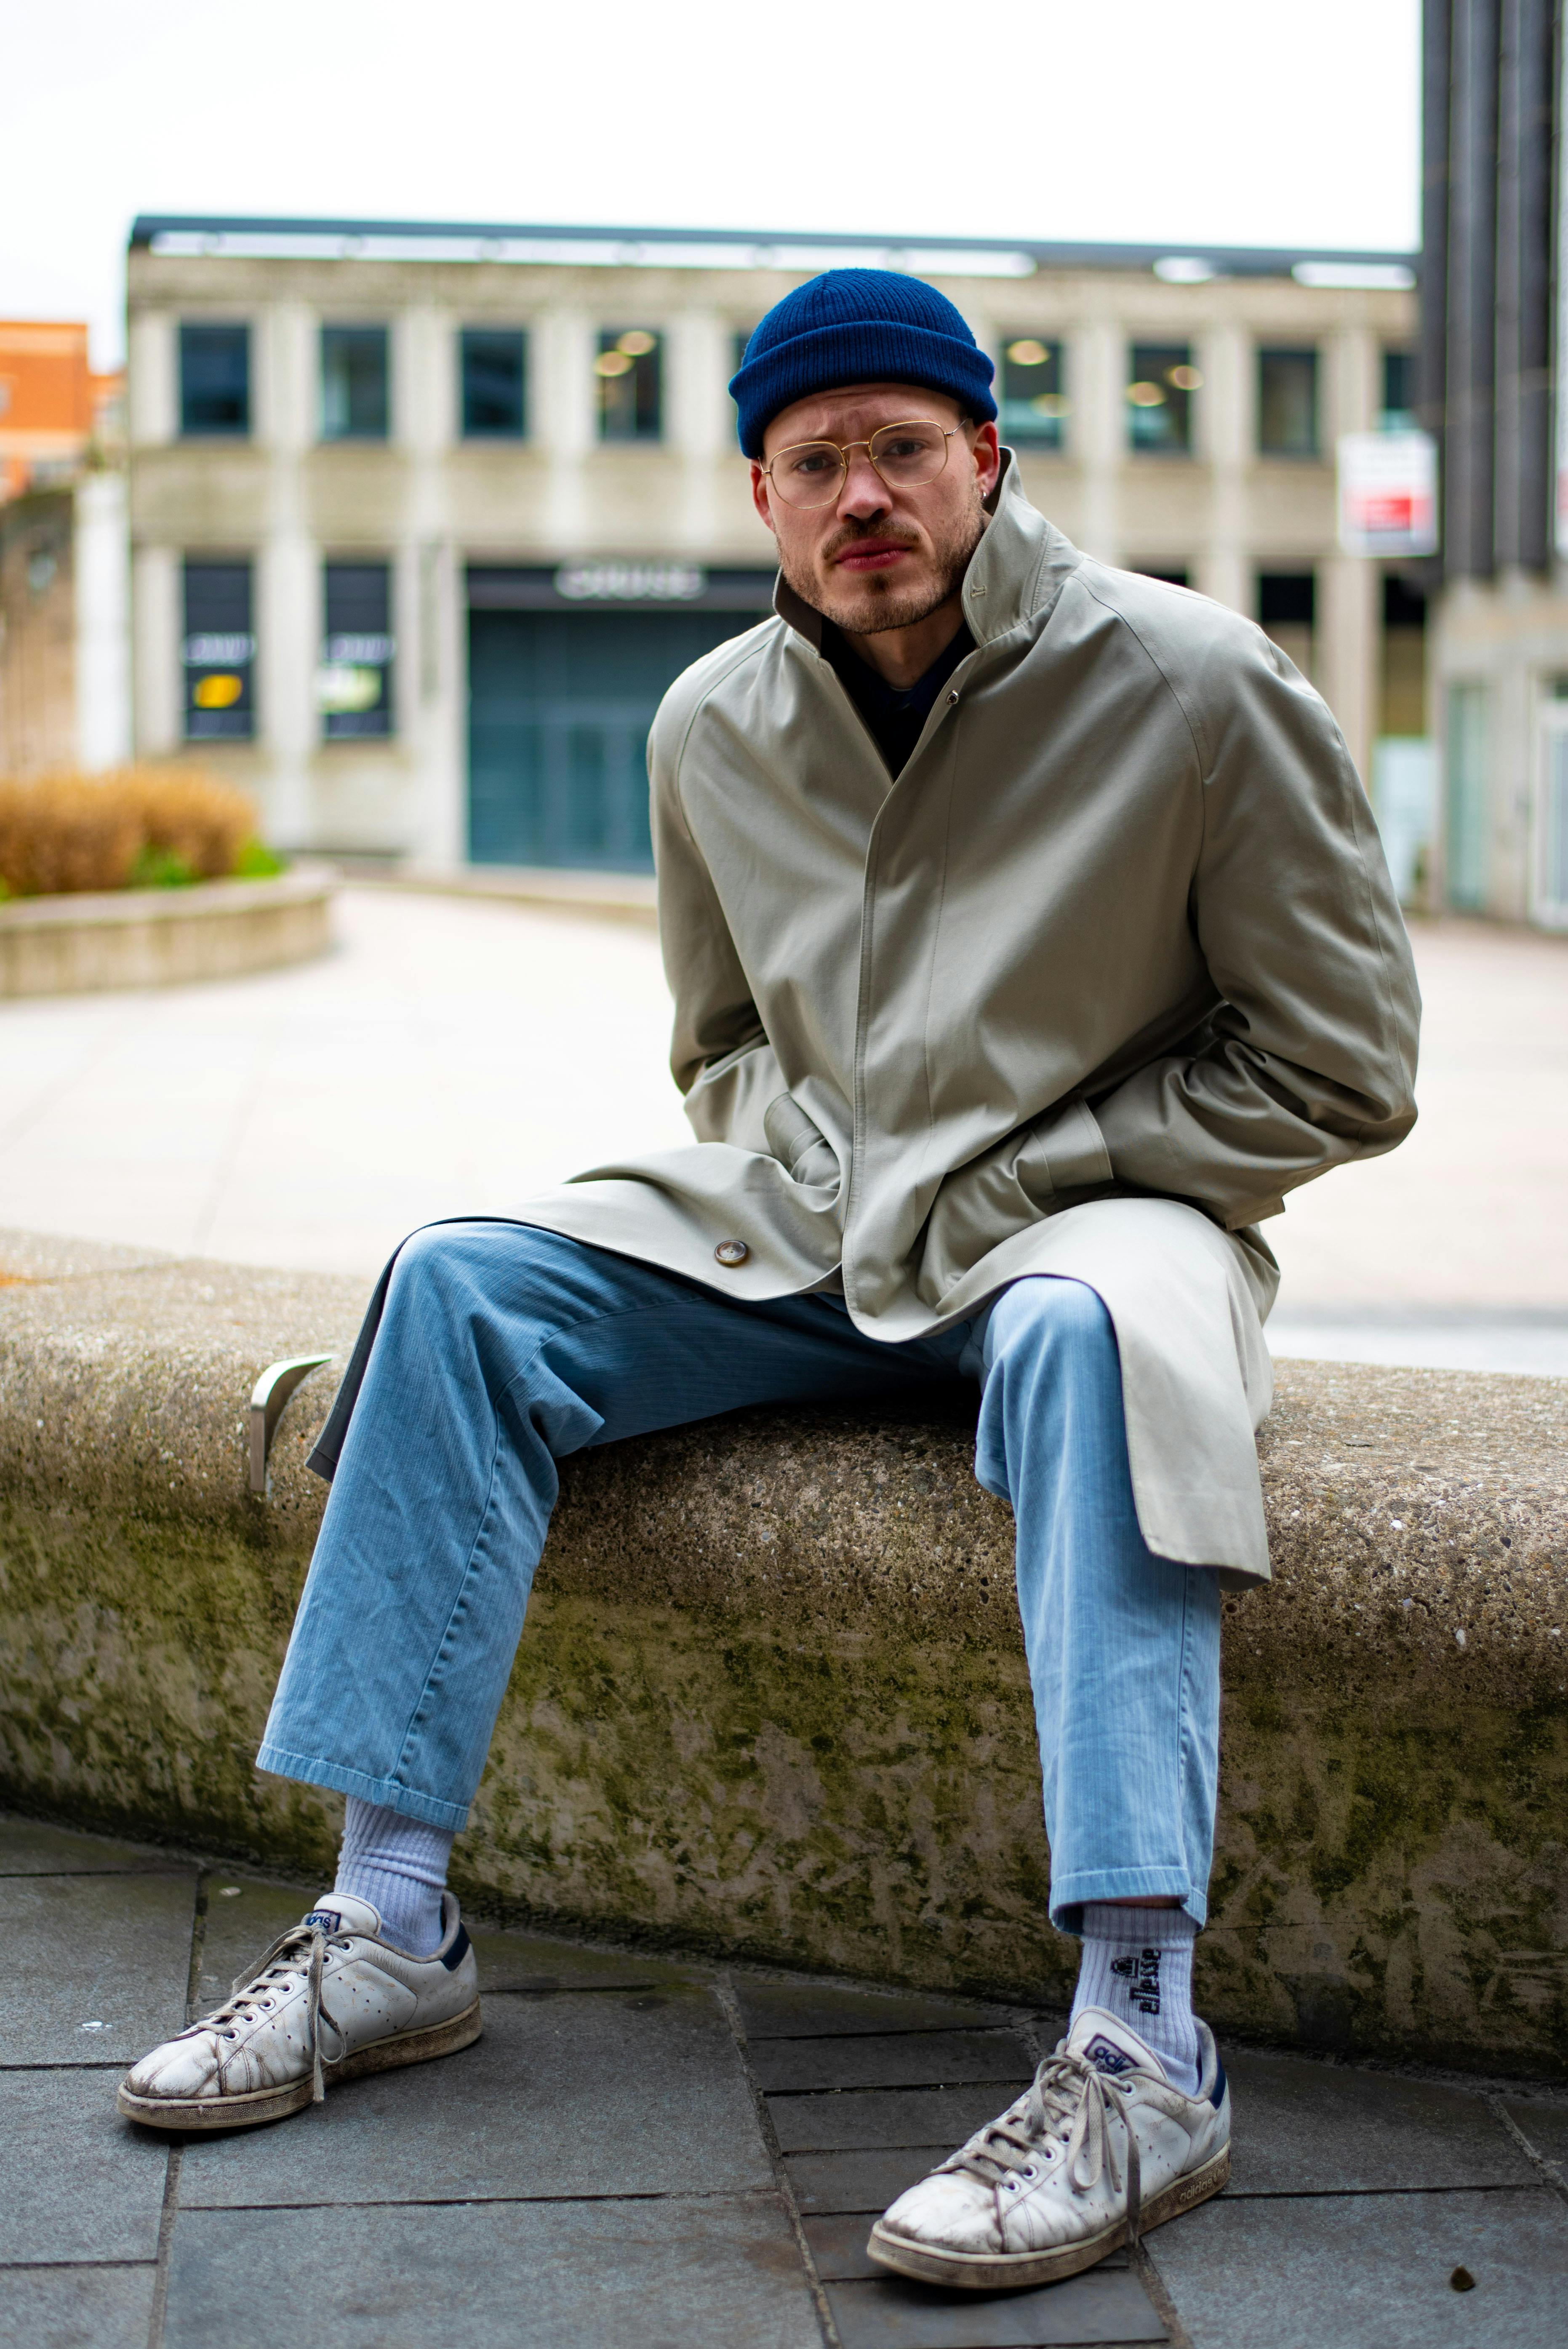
[(732, 1252), (953, 698)]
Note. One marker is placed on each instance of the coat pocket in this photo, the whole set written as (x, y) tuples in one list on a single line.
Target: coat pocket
[(798, 1143), (1017, 1182), (1064, 1151)]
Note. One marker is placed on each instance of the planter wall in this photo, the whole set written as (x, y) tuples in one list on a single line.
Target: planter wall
[(158, 937)]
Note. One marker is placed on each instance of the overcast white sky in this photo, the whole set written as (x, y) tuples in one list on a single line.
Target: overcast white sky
[(1241, 121)]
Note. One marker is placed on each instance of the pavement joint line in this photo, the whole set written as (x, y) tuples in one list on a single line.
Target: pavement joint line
[(1550, 2172), (166, 2219), (95, 2063), (730, 2007), (1371, 2193), (483, 2201), (198, 1944), (66, 2267), (888, 2088)]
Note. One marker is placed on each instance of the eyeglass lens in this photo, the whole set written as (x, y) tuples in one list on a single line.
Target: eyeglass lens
[(905, 456)]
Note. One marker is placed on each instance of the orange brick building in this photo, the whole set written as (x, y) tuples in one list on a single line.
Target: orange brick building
[(53, 407)]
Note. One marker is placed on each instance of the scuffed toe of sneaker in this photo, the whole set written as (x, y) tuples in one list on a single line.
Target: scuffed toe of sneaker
[(956, 2212), (183, 2067)]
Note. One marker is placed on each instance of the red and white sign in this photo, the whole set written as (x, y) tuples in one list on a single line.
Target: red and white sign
[(1388, 493)]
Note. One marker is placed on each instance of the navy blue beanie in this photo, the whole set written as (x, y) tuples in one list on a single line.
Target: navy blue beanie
[(858, 325)]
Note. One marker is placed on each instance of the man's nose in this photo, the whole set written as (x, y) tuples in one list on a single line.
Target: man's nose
[(865, 492)]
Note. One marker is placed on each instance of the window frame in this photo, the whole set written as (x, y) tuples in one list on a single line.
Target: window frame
[(467, 431), (1049, 435), (350, 651), (241, 330), (363, 328), (1176, 355), (608, 339), (1276, 452), (227, 721)]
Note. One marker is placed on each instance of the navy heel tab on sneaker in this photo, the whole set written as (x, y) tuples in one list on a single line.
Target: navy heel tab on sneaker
[(451, 1958), (1216, 2093)]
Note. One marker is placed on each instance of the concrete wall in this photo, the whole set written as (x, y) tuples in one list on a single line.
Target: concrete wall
[(429, 501), (771, 1697)]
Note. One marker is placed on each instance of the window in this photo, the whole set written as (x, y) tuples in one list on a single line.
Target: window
[(495, 368), (630, 370), (216, 381), (1402, 699), (1160, 386), (218, 653), (1287, 609), (354, 685), (1033, 405), (1397, 413), (1170, 579), (1287, 403), (1464, 811), (354, 401)]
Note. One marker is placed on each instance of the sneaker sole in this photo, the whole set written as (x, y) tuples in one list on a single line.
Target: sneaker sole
[(257, 2105), (1012, 2270)]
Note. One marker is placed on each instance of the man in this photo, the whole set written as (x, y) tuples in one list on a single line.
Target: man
[(1029, 939)]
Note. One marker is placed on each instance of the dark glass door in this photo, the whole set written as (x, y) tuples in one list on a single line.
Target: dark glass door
[(559, 708)]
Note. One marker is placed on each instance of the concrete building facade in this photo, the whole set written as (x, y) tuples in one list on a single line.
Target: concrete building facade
[(1490, 391), (424, 518)]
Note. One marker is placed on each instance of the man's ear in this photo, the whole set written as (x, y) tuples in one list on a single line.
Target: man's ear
[(759, 495)]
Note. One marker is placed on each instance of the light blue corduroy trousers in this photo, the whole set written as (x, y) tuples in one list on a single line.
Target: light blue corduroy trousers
[(503, 1348)]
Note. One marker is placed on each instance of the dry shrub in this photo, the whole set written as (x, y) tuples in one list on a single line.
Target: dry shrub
[(107, 832)]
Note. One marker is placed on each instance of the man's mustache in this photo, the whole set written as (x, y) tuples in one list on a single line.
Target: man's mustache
[(852, 532)]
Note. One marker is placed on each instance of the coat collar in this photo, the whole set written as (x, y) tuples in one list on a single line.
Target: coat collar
[(1018, 569)]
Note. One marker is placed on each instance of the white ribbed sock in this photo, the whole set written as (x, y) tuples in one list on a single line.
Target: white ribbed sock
[(400, 1864), (1137, 1964)]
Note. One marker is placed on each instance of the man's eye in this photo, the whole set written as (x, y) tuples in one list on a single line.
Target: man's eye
[(812, 461)]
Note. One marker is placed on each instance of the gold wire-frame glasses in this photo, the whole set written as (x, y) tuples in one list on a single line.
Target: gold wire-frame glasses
[(905, 456)]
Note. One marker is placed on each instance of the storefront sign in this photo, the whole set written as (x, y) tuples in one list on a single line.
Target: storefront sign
[(631, 583), (1388, 493)]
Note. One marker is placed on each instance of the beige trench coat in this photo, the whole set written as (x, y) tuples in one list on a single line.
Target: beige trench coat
[(1110, 967)]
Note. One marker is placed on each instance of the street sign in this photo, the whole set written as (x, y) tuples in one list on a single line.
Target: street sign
[(1388, 493)]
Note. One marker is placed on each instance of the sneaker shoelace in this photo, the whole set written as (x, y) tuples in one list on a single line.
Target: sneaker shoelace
[(1067, 2100), (300, 1951)]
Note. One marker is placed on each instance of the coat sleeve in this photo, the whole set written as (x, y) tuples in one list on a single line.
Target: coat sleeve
[(720, 1054), (1308, 1060)]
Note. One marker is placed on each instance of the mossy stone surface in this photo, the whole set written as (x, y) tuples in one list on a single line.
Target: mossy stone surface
[(771, 1699)]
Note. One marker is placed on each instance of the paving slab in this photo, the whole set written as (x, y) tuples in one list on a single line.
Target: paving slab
[(840, 2254), (1100, 2307), (887, 2116), (864, 2182), (28, 1848), (245, 1913), (75, 2181), (817, 2011), (669, 2273), (1546, 2126), (1304, 2127), (77, 2308), (561, 2097), (532, 1965), (1370, 2271), (913, 2059), (93, 1969)]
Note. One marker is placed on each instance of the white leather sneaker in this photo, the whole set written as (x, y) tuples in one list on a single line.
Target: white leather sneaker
[(1100, 2149), (330, 2000)]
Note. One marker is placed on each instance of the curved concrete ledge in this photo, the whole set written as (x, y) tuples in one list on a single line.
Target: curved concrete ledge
[(87, 942), (771, 1699)]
